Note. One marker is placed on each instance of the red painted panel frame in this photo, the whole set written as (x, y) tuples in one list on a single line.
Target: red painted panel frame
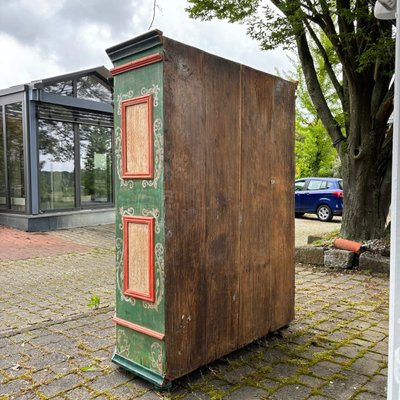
[(139, 328), (141, 62), (150, 295), (138, 100)]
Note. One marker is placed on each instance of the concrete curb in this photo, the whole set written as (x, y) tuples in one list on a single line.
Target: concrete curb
[(342, 259)]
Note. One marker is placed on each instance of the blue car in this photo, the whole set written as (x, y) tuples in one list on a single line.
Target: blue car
[(322, 196)]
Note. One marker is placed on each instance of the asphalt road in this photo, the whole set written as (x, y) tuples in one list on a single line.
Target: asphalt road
[(310, 225)]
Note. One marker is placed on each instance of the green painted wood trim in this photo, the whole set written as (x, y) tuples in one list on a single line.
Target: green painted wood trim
[(158, 380), (136, 45)]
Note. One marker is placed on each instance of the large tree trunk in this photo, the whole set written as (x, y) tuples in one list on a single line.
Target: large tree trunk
[(366, 161), (366, 200)]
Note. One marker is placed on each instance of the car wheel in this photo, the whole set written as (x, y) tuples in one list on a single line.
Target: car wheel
[(298, 215), (324, 213)]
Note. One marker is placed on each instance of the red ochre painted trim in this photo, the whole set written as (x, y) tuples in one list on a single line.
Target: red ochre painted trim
[(150, 294), (145, 174), (141, 62), (139, 328)]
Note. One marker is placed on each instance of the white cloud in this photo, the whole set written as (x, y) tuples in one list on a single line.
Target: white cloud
[(45, 38)]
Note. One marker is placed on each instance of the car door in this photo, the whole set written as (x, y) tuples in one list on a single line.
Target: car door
[(315, 189), (299, 186)]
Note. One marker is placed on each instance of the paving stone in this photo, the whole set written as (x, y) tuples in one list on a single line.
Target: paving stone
[(269, 384), (60, 368), (349, 351), (111, 380), (283, 370), (369, 396), (80, 393), (311, 381), (326, 369), (376, 384), (125, 391), (238, 374), (366, 366), (195, 395), (43, 376), (27, 396), (292, 392), (246, 392), (13, 387), (150, 396), (61, 385)]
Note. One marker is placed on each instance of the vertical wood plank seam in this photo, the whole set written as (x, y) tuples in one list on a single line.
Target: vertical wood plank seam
[(241, 267), (204, 239)]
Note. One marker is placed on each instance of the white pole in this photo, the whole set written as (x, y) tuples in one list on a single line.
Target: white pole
[(394, 302)]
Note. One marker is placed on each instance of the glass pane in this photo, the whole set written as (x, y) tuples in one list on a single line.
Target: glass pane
[(15, 155), (314, 185), (63, 88), (90, 88), (298, 185), (56, 165), (3, 201), (96, 156), (81, 116)]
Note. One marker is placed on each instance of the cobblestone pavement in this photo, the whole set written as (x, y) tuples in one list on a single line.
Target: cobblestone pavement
[(53, 346)]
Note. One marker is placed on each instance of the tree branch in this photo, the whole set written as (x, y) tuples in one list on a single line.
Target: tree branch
[(328, 65), (314, 88), (154, 14)]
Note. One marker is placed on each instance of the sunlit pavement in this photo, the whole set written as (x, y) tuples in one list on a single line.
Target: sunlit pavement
[(309, 224)]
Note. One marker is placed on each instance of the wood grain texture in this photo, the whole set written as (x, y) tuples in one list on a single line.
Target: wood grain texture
[(185, 211), (255, 208), (282, 241), (228, 159), (222, 188)]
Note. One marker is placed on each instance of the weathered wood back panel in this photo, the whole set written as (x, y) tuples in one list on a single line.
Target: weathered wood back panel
[(229, 208)]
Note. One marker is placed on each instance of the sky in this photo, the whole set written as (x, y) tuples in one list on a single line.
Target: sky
[(46, 38)]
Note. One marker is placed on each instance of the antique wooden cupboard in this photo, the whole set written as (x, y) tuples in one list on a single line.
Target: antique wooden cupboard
[(204, 199)]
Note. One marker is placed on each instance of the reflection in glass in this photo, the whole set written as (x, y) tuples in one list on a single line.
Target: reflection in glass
[(56, 165), (3, 201), (62, 88), (15, 155), (95, 151), (90, 88)]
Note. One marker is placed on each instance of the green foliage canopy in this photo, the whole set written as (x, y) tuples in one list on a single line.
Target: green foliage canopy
[(357, 53)]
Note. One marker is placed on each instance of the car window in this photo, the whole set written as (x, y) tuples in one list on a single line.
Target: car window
[(316, 184), (299, 185), (340, 183), (329, 185)]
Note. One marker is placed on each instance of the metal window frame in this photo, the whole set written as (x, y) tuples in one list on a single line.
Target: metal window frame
[(8, 99)]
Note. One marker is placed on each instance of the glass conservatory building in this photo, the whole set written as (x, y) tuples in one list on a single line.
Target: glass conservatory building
[(56, 152)]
